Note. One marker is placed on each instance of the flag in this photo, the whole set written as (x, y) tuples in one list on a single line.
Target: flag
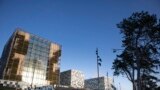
[(99, 64)]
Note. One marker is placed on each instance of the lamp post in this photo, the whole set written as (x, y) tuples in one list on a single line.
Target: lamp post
[(119, 86), (107, 81), (98, 64), (34, 68)]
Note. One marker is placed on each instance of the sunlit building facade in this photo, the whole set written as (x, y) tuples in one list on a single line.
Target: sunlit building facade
[(72, 78), (30, 59), (105, 83)]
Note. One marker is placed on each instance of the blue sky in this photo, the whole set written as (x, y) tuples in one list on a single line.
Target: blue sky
[(80, 26)]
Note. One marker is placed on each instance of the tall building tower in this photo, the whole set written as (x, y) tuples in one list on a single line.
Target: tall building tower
[(30, 59)]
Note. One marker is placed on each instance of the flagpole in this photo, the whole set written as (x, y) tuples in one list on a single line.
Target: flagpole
[(120, 86), (98, 64), (107, 81)]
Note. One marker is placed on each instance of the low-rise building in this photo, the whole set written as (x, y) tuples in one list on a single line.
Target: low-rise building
[(104, 84), (72, 78)]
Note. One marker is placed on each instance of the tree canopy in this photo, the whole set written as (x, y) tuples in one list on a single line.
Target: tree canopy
[(141, 50)]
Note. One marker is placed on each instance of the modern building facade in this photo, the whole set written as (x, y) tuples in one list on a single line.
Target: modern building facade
[(104, 84), (30, 59), (72, 78)]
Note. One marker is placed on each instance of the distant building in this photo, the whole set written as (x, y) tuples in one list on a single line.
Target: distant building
[(72, 78), (30, 59), (104, 84)]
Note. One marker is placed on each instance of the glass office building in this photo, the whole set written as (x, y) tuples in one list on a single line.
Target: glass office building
[(30, 59)]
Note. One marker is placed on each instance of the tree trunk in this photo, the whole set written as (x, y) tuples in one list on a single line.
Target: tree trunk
[(138, 65), (134, 87), (133, 82), (138, 76)]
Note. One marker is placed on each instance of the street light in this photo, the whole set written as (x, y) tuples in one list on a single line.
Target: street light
[(99, 60), (107, 82), (115, 50)]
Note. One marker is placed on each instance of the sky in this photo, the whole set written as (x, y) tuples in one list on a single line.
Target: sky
[(80, 26)]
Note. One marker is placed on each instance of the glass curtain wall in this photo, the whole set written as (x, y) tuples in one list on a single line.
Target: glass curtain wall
[(36, 61), (31, 59)]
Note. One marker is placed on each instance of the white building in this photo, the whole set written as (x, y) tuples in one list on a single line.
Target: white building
[(104, 84), (72, 78)]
